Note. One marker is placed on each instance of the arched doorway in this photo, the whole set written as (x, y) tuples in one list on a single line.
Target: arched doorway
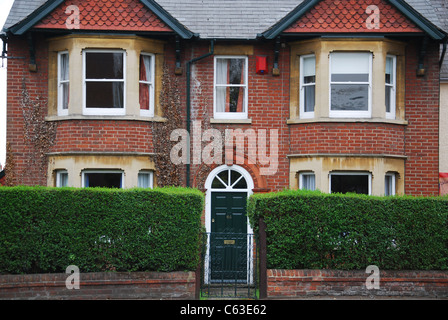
[(229, 236)]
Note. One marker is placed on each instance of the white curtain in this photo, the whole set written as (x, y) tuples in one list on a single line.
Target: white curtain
[(118, 87), (64, 77), (221, 78)]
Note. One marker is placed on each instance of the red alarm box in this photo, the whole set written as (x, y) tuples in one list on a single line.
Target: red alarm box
[(262, 65)]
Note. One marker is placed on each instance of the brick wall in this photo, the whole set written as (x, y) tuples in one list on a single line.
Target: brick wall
[(103, 285), (422, 113), (305, 283), (103, 136), (353, 138), (268, 108), (27, 172)]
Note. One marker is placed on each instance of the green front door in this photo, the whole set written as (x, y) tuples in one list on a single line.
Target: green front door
[(228, 238)]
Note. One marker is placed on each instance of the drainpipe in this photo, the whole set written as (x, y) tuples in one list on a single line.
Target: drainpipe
[(189, 63), (443, 52)]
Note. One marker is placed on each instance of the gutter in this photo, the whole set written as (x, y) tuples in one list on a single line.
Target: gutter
[(189, 63)]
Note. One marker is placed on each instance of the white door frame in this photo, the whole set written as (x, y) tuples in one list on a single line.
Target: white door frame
[(208, 203)]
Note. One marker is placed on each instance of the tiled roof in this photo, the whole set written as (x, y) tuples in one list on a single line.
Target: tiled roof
[(350, 16), (232, 19), (129, 15)]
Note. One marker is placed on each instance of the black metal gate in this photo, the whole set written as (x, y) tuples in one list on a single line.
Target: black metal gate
[(229, 266)]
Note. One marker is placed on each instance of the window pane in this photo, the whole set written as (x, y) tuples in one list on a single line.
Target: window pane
[(145, 68), (349, 97), (350, 183), (350, 63), (65, 94), (217, 184), (230, 99), (309, 66), (230, 71), (308, 182), (389, 69), (62, 179), (64, 72), (388, 97), (144, 93), (389, 185), (104, 94), (350, 77), (144, 180), (309, 92), (104, 65), (105, 180)]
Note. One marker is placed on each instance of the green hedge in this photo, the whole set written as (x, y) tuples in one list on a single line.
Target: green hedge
[(312, 230), (47, 229)]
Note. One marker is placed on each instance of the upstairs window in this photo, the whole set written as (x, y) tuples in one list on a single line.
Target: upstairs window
[(350, 84), (307, 86), (63, 83), (230, 93), (391, 62), (146, 85), (104, 82)]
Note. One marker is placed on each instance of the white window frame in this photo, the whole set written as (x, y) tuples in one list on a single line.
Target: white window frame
[(353, 173), (309, 114), (151, 178), (150, 112), (231, 115), (393, 85), (103, 111), (392, 176), (83, 173), (61, 111), (58, 178), (301, 177), (350, 113)]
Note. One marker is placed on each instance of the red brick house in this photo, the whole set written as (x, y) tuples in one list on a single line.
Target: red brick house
[(231, 97), (341, 96)]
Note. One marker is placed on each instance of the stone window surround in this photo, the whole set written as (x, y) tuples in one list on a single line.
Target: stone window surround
[(321, 48), (133, 47)]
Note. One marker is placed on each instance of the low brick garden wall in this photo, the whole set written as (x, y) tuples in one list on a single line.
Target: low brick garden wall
[(101, 285), (300, 283)]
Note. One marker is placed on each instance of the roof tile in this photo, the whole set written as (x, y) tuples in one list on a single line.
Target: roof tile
[(129, 15), (351, 16)]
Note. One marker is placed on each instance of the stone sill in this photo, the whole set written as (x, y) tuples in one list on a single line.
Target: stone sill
[(231, 121), (348, 120), (114, 118)]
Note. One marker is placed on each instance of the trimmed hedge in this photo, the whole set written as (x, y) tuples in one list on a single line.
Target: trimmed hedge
[(313, 230), (44, 230)]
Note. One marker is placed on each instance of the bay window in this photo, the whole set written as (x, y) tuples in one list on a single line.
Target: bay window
[(230, 92), (350, 84), (104, 82)]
